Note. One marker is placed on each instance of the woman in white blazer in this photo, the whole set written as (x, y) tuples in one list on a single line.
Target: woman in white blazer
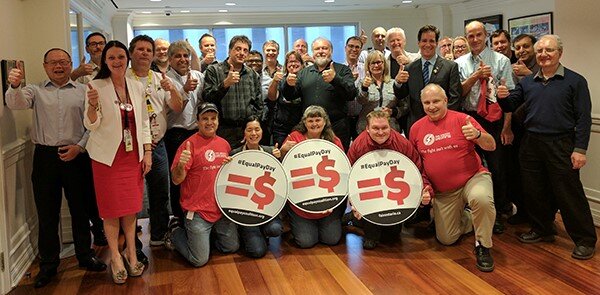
[(121, 152)]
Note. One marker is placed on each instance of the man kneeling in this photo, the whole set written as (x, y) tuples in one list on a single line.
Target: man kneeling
[(446, 141)]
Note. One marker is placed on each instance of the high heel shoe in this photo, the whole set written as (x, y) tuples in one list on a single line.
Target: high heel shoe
[(135, 270), (119, 276)]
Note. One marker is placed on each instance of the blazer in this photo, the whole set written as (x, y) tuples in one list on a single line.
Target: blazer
[(445, 73), (106, 134)]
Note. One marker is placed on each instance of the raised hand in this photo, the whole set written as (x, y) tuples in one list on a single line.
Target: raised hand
[(329, 74), (233, 77), (502, 90), (291, 79), (402, 59), (276, 151), (15, 76), (165, 83), (520, 69), (469, 131), (367, 81), (186, 155), (278, 76), (84, 68), (191, 83), (363, 37), (402, 76), (485, 71), (93, 96)]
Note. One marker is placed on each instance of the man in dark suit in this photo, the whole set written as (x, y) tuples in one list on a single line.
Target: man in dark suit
[(430, 68)]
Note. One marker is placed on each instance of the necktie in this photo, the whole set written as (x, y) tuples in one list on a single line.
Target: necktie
[(426, 72)]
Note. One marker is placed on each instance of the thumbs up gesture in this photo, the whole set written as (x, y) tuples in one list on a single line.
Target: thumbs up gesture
[(165, 83), (469, 131), (191, 83), (363, 36), (329, 74), (233, 77), (402, 59), (92, 95), (520, 69), (186, 155), (367, 81), (502, 90), (402, 76), (276, 152), (278, 76), (485, 71), (84, 68), (15, 76), (291, 79)]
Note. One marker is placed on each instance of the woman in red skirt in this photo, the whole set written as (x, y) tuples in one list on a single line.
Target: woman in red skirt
[(121, 152)]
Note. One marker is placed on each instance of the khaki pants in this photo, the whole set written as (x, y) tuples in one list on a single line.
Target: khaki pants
[(448, 210)]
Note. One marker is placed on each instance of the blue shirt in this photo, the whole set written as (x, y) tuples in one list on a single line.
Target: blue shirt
[(557, 105)]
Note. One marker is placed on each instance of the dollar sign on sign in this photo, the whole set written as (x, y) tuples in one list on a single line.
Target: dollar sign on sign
[(268, 194), (398, 190), (334, 177)]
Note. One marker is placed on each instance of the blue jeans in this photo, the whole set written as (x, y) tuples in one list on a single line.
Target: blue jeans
[(193, 242), (254, 238), (308, 232), (157, 186)]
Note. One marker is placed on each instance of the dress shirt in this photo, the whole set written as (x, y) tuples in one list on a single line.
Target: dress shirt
[(57, 111), (187, 118)]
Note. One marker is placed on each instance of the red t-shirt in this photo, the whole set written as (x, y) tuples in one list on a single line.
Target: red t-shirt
[(448, 157), (299, 137), (198, 187)]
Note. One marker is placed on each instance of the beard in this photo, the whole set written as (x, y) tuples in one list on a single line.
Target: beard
[(321, 61)]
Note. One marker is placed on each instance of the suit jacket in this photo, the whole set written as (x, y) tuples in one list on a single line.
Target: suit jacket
[(106, 134), (444, 73)]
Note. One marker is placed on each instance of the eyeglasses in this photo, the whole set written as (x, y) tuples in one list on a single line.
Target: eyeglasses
[(547, 50), (254, 61), (460, 47), (376, 63), (96, 44), (62, 62)]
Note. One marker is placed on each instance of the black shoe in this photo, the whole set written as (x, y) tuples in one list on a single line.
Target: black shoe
[(517, 219), (138, 229), (498, 226), (533, 237), (369, 244), (485, 262), (347, 218), (93, 264), (141, 256), (43, 278), (583, 252), (100, 239), (431, 227)]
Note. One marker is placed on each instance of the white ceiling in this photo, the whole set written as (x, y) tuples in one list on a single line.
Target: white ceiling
[(254, 6)]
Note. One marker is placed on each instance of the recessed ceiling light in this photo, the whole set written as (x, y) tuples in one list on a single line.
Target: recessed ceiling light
[(230, 4), (329, 1), (407, 1), (184, 11), (155, 0), (223, 10), (223, 23), (146, 12)]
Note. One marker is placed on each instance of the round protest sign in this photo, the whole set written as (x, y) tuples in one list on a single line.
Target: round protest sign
[(251, 189), (385, 187), (317, 171)]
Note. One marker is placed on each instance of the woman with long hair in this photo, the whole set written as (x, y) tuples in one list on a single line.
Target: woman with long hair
[(310, 228), (121, 153), (460, 47)]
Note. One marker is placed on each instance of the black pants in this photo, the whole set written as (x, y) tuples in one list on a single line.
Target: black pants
[(493, 161), (550, 182), (50, 176), (173, 138), (340, 128), (380, 233), (232, 133), (511, 165)]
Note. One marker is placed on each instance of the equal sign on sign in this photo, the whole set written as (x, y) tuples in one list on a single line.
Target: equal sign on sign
[(237, 191), (366, 183), (301, 172)]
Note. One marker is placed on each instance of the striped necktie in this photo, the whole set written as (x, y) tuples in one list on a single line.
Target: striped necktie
[(426, 72)]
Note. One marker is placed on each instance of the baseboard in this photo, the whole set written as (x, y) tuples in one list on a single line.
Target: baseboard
[(22, 252)]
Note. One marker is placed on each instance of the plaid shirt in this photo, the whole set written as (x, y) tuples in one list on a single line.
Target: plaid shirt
[(237, 102)]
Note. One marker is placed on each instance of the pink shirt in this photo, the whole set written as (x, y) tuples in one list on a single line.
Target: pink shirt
[(198, 187), (449, 159)]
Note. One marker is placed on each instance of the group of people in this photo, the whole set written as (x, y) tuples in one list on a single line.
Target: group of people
[(160, 114)]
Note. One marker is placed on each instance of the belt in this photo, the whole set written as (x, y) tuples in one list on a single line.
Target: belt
[(47, 148)]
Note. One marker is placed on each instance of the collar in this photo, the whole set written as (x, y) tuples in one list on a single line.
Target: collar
[(244, 148), (483, 55), (69, 84), (560, 71), (225, 66), (431, 60)]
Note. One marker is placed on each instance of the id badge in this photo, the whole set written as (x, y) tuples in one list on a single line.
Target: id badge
[(128, 140), (154, 129)]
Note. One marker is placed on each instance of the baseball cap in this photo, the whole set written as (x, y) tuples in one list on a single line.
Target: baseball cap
[(207, 107)]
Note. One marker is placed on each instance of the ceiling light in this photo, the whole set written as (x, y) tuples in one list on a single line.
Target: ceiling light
[(155, 0), (223, 23), (406, 1), (329, 1), (223, 10), (230, 4), (184, 11), (146, 12)]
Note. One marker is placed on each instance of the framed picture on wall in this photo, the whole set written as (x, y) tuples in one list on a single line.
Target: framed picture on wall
[(536, 25), (8, 65), (491, 23)]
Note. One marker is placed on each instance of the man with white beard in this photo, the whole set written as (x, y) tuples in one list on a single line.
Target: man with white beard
[(327, 84)]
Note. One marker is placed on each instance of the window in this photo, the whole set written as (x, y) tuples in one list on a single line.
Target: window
[(337, 34)]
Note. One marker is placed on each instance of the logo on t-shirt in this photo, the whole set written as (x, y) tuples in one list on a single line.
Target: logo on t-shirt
[(429, 139), (210, 155)]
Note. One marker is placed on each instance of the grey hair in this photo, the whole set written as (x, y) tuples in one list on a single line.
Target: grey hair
[(312, 45), (393, 31), (556, 38)]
